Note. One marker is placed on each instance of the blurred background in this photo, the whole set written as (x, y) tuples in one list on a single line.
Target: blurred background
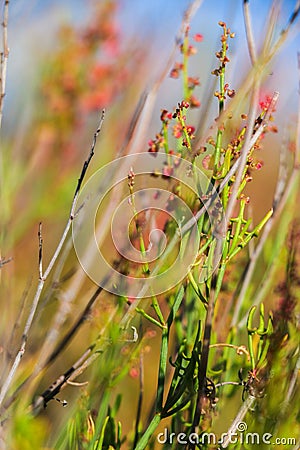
[(68, 60)]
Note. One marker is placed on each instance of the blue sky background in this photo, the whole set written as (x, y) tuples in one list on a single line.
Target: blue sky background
[(32, 26)]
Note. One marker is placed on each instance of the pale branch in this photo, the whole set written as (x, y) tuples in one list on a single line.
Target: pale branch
[(42, 400), (239, 296), (18, 320), (7, 383), (249, 32), (40, 251), (284, 32), (279, 202), (246, 406), (4, 261), (82, 363), (59, 348), (3, 58), (86, 164)]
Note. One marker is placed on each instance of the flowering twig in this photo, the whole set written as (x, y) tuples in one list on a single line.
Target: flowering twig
[(134, 139)]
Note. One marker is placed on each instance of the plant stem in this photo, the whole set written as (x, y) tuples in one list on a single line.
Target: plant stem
[(149, 432)]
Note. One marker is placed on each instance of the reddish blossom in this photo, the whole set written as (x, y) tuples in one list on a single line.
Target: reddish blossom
[(171, 203), (198, 37), (206, 162), (176, 70), (193, 82), (97, 73), (167, 171), (191, 50), (165, 115), (134, 372), (177, 130), (190, 130), (184, 104), (265, 102), (194, 102), (174, 73), (94, 101), (153, 147), (150, 333)]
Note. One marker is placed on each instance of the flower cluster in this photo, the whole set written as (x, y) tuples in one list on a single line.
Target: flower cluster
[(265, 102), (223, 58), (77, 79), (180, 129)]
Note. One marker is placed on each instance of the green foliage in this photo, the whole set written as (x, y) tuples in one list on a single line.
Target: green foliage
[(201, 341)]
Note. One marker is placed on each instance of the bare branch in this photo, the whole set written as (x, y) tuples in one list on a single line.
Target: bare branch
[(42, 400), (4, 261), (17, 323), (247, 143), (41, 283), (3, 58), (40, 251), (86, 164), (293, 17), (249, 32), (238, 419), (279, 192), (280, 201)]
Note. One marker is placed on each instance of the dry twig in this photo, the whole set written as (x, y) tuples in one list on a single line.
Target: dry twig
[(44, 275)]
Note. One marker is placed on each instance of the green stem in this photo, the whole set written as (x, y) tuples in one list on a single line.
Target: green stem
[(237, 230), (157, 309), (149, 432), (185, 46), (146, 269), (218, 151), (184, 129), (162, 369), (166, 142), (148, 317)]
